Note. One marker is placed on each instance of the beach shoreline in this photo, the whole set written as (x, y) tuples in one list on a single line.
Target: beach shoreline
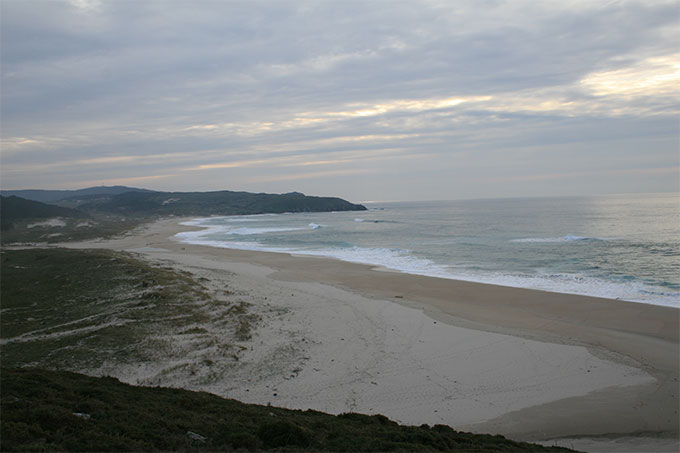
[(621, 375)]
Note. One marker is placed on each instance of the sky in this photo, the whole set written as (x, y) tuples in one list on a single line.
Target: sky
[(367, 100)]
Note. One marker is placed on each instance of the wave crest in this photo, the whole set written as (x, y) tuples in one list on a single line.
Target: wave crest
[(567, 238)]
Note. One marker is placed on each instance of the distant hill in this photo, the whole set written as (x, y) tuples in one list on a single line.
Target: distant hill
[(14, 208), (112, 213), (215, 203), (52, 196), (130, 201)]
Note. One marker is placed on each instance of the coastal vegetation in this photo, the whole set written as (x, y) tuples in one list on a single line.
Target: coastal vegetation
[(143, 202), (14, 209), (214, 203), (61, 411), (89, 311), (28, 221), (57, 216)]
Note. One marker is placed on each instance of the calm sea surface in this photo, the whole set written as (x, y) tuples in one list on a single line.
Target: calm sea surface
[(622, 246)]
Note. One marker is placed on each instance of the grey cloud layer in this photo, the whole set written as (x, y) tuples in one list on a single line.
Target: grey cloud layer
[(94, 91)]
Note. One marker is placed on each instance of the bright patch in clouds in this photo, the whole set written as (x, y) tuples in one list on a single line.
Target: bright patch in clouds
[(86, 4), (655, 76), (401, 105)]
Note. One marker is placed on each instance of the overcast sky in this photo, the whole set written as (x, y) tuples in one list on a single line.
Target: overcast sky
[(367, 100)]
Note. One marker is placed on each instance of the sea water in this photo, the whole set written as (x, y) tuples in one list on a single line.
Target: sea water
[(616, 246)]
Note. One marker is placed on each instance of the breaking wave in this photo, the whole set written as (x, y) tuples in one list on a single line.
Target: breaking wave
[(567, 238)]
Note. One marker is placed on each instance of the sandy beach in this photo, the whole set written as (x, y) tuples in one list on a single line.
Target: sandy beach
[(595, 374)]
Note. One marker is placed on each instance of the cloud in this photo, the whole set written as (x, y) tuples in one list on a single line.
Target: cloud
[(654, 76), (311, 175), (590, 174), (136, 180), (86, 5), (117, 88)]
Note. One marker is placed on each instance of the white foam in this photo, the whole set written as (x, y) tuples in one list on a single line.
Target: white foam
[(250, 231), (403, 261), (395, 259), (577, 284), (372, 221), (189, 236), (244, 245), (567, 238), (243, 220), (226, 230), (198, 222), (210, 221)]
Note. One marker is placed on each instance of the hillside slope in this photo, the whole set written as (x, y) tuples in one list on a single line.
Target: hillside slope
[(76, 309), (62, 411), (14, 208)]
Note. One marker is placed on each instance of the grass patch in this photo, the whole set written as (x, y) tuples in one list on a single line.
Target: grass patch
[(74, 229), (73, 309), (61, 411)]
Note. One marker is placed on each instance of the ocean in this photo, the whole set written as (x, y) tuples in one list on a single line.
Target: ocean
[(616, 246)]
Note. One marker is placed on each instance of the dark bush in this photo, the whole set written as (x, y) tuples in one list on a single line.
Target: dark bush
[(37, 409), (281, 433), (243, 441)]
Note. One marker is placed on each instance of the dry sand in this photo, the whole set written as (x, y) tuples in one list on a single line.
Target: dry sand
[(340, 337)]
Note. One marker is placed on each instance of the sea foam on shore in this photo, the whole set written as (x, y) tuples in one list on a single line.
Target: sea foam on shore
[(615, 254)]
